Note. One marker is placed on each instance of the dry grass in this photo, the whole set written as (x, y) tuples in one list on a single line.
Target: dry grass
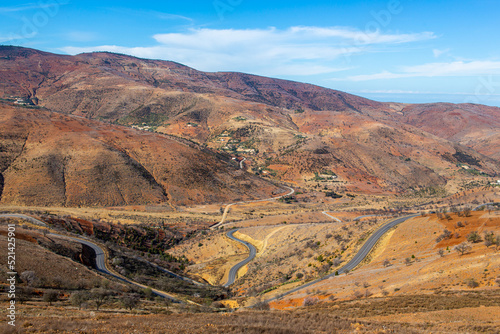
[(374, 315)]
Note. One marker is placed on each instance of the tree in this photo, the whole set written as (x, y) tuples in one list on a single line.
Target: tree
[(79, 298), (148, 293), (474, 237), (23, 293), (489, 238), (310, 301), (472, 283), (467, 212), (130, 301), (99, 296), (50, 296), (463, 248), (262, 306), (29, 277)]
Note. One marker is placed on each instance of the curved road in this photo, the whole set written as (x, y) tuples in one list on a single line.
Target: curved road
[(485, 204), (358, 258), (241, 163), (99, 252), (234, 270), (100, 259), (226, 210)]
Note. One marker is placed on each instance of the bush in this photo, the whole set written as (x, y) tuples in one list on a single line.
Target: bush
[(472, 283), (130, 300), (50, 296), (445, 235), (463, 248), (489, 239), (148, 293), (474, 237), (358, 294), (99, 296), (262, 306), (310, 301), (23, 294), (29, 277), (79, 298)]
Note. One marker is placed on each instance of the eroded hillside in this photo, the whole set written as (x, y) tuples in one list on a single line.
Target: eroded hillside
[(51, 159)]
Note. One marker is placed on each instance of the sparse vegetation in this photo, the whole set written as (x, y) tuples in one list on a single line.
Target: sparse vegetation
[(463, 248), (474, 237)]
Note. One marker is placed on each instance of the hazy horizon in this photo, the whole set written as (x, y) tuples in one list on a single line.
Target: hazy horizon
[(392, 50)]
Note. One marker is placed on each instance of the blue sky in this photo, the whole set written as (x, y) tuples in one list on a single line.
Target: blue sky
[(391, 50)]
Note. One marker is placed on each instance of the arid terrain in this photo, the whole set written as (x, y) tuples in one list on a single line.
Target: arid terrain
[(288, 131), (167, 177)]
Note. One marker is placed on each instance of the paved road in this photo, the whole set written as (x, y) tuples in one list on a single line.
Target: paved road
[(101, 266), (234, 270), (99, 252), (334, 218), (226, 210), (358, 258), (480, 206)]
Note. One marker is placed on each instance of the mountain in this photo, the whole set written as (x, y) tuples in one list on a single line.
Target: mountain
[(294, 131), (52, 159)]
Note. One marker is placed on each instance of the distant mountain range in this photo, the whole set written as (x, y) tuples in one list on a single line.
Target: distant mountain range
[(290, 130)]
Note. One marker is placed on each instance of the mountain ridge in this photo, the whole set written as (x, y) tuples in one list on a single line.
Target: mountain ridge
[(289, 131)]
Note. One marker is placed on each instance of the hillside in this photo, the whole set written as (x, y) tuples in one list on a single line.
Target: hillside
[(289, 131), (49, 158), (407, 261)]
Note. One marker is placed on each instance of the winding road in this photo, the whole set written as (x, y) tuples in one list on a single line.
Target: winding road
[(226, 210), (358, 258), (486, 204), (353, 263), (100, 256), (234, 270)]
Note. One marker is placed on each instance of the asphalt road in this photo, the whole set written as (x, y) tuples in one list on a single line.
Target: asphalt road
[(99, 252), (485, 204), (358, 258), (100, 259), (234, 270)]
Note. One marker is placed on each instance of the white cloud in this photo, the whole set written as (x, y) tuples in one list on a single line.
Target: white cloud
[(438, 53), (271, 51), (32, 6), (453, 69)]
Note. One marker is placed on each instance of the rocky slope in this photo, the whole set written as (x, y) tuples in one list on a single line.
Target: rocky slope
[(48, 158), (291, 130)]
